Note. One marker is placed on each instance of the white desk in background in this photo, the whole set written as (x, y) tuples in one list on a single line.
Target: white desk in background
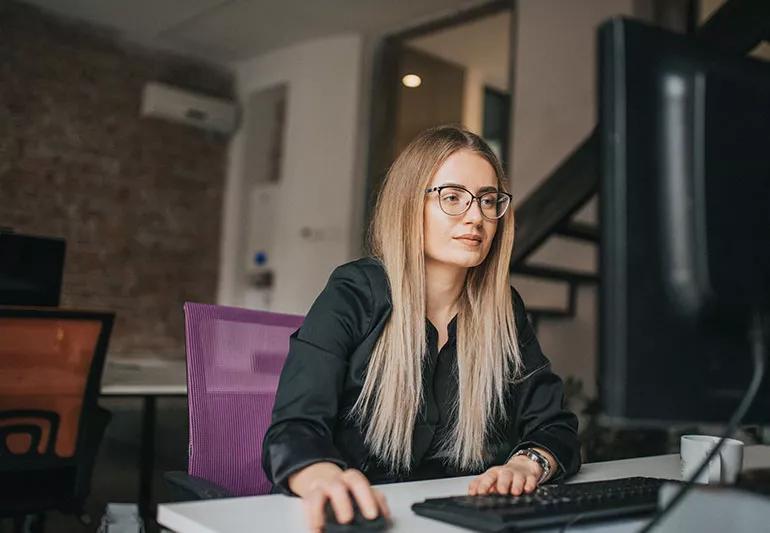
[(147, 379), (144, 377), (282, 513)]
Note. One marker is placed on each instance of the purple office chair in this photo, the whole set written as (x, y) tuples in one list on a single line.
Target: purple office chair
[(234, 360)]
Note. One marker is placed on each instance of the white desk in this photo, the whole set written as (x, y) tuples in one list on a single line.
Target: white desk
[(282, 513), (146, 379)]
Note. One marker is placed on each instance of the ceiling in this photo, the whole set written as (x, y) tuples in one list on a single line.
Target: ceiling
[(226, 31)]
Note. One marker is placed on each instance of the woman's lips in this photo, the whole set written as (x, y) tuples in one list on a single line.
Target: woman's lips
[(469, 241)]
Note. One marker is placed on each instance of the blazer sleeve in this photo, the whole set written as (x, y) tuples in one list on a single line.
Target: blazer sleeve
[(306, 404), (543, 420)]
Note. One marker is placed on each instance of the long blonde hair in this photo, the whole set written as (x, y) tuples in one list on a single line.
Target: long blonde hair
[(487, 350)]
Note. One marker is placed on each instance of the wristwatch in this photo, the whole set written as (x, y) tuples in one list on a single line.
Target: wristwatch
[(539, 458)]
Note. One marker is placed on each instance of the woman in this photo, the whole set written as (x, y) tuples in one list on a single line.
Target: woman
[(419, 361)]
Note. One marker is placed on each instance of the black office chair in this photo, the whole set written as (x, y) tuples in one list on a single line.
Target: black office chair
[(51, 426)]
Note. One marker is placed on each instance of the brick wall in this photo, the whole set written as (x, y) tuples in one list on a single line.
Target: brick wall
[(138, 200)]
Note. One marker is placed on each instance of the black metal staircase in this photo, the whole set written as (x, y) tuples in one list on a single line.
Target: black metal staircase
[(548, 211), (738, 26)]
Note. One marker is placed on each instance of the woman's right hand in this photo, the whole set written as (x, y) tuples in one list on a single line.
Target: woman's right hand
[(320, 482)]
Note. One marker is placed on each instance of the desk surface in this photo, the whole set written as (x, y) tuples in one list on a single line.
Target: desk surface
[(144, 377), (282, 513)]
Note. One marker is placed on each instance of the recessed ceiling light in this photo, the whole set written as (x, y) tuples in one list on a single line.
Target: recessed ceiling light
[(411, 80)]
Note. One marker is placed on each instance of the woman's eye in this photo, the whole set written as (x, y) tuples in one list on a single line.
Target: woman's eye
[(451, 197), (488, 202)]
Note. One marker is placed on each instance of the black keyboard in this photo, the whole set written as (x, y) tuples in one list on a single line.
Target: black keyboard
[(548, 506)]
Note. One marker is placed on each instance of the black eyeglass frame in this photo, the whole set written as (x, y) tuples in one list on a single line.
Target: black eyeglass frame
[(473, 197)]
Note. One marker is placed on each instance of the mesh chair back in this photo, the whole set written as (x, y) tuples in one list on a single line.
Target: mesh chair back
[(50, 369), (234, 360)]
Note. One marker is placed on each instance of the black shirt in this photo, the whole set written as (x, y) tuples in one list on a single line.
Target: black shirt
[(325, 370), (439, 394), (444, 386)]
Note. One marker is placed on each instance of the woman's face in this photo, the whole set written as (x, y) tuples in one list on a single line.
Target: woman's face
[(460, 240)]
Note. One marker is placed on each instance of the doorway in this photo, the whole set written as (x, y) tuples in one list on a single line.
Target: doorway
[(456, 70)]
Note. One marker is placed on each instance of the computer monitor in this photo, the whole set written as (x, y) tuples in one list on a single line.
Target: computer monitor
[(685, 226), (30, 269)]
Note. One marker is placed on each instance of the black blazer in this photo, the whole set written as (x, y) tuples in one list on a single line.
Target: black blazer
[(324, 374)]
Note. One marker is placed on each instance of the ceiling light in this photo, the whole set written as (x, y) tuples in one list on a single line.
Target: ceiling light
[(411, 80)]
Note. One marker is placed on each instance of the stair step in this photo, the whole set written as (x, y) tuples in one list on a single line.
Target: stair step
[(579, 230), (561, 252), (541, 293), (564, 274), (536, 314)]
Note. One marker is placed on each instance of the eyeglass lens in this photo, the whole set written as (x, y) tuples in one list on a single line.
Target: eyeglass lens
[(456, 201)]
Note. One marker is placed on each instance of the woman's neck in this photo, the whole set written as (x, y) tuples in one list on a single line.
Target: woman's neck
[(443, 285)]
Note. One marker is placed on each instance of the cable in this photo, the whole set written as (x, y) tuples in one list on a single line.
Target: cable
[(756, 337)]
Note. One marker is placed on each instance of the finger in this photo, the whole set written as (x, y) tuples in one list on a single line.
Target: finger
[(340, 498), (314, 509), (487, 480), (531, 484), (504, 479), (382, 503), (473, 487), (362, 492), (517, 485)]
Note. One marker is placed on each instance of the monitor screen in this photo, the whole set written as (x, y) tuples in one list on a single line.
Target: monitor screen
[(685, 226), (30, 270)]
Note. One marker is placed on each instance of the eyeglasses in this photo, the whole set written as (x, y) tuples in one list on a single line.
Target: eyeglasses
[(455, 200)]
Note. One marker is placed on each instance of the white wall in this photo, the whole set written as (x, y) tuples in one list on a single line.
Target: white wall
[(554, 110), (320, 176), (555, 62)]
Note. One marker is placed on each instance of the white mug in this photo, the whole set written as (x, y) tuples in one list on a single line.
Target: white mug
[(723, 468)]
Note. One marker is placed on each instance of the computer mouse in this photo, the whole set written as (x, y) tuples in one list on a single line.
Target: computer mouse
[(359, 522)]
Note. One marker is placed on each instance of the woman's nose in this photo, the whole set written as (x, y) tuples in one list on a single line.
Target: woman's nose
[(473, 214)]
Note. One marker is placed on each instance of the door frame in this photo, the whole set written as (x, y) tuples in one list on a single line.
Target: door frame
[(384, 90)]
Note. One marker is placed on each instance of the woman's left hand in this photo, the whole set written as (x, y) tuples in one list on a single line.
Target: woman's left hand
[(517, 476)]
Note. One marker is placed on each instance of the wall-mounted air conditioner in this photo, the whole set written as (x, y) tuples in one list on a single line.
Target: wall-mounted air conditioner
[(179, 105)]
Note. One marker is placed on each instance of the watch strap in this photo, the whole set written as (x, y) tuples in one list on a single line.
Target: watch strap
[(539, 458)]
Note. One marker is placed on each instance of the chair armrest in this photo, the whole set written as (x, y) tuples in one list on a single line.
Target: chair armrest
[(185, 487)]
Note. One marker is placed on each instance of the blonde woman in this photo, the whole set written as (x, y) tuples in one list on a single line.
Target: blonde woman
[(419, 361)]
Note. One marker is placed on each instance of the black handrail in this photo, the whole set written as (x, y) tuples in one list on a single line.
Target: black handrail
[(559, 197)]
